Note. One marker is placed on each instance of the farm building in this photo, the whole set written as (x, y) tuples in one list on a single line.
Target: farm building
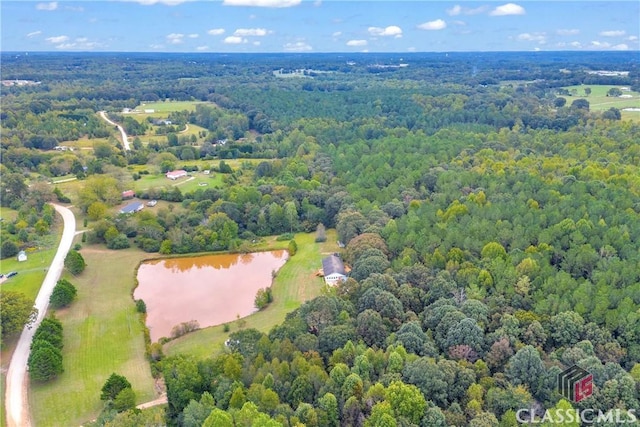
[(333, 270), (22, 256), (173, 175), (129, 194), (132, 208)]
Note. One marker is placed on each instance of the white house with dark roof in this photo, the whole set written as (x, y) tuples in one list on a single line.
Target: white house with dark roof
[(333, 270)]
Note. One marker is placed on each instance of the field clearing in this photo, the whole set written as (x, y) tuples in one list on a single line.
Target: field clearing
[(103, 334), (186, 184), (169, 106), (295, 283), (83, 143), (599, 101)]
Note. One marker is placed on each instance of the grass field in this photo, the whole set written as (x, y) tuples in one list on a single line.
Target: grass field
[(599, 101), (186, 184), (296, 282), (103, 334), (169, 106)]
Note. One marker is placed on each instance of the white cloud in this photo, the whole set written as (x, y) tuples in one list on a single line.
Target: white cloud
[(576, 44), (455, 10), (458, 22), (357, 43), (34, 33), (297, 47), (568, 32), (193, 36), (438, 24), (156, 46), (533, 37), (459, 10), (613, 33), (632, 38), (262, 3), (600, 45), (175, 38), (234, 40), (392, 30), (256, 43), (57, 39), (256, 32), (79, 44), (411, 49), (202, 48), (508, 9), (621, 46), (216, 31), (47, 6), (337, 34)]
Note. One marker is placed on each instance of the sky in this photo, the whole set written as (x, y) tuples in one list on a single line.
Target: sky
[(318, 26)]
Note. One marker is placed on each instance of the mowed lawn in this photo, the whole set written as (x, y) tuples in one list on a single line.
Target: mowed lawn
[(169, 106), (103, 334), (295, 283), (599, 101)]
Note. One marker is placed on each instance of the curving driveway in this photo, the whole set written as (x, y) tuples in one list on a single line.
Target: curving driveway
[(16, 393), (125, 139)]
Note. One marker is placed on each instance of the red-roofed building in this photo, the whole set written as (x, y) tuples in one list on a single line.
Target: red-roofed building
[(173, 175), (129, 194)]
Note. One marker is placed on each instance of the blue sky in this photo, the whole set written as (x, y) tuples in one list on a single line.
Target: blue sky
[(318, 26)]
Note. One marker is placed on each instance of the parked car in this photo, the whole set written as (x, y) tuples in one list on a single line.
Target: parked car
[(11, 274), (152, 203)]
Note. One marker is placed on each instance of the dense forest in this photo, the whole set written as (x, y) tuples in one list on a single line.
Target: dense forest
[(490, 217)]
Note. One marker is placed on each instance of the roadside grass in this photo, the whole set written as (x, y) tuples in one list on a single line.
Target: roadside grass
[(599, 101), (295, 283), (103, 334), (31, 273)]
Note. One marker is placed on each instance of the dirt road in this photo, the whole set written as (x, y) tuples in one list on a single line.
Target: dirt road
[(125, 139), (16, 393)]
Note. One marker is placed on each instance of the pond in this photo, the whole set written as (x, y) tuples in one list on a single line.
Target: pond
[(211, 289)]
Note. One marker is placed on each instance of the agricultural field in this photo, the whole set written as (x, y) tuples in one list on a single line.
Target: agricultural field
[(103, 334), (295, 283), (599, 101)]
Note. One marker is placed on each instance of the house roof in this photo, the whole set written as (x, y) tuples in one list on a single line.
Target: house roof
[(177, 172), (128, 193), (132, 207), (331, 265)]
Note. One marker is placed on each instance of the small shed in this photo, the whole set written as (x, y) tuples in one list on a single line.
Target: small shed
[(129, 194), (22, 256)]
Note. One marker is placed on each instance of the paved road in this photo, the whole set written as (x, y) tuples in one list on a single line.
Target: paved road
[(125, 139), (16, 393)]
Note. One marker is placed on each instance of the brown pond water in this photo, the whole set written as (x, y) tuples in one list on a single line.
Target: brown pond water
[(211, 289)]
